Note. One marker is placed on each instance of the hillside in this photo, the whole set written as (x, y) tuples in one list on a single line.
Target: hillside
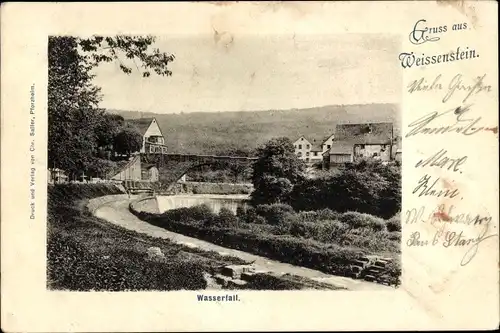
[(221, 132)]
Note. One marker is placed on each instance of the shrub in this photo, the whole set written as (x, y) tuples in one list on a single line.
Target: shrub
[(275, 214), (360, 220), (305, 229), (226, 218), (241, 211), (250, 216), (318, 215), (372, 188), (195, 213), (332, 231), (83, 254), (394, 223)]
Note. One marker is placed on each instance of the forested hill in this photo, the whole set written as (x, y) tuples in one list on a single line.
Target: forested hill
[(223, 132)]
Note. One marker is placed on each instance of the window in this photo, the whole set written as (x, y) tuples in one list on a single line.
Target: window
[(307, 154), (307, 159), (295, 146), (362, 146), (300, 146), (308, 147), (315, 153), (329, 146), (299, 154)]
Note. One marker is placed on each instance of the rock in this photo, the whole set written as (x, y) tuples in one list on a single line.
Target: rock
[(155, 252), (370, 278), (235, 271), (222, 280), (247, 276), (236, 283)]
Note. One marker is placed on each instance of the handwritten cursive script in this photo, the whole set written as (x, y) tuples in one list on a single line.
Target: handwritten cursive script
[(426, 188), (462, 125), (440, 160), (457, 84)]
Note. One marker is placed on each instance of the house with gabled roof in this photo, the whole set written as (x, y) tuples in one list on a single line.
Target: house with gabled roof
[(308, 151), (358, 141), (153, 140), (327, 143)]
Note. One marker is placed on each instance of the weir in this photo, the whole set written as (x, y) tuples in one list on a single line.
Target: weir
[(215, 202)]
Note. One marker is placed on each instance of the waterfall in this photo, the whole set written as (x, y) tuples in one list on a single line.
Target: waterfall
[(215, 202)]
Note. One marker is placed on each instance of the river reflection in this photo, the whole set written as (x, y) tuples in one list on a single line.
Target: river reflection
[(215, 202)]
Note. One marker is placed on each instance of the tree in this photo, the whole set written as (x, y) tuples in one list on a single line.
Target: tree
[(127, 141), (107, 129), (276, 171), (78, 129), (367, 187)]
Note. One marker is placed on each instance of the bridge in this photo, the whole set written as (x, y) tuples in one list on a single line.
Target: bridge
[(171, 167)]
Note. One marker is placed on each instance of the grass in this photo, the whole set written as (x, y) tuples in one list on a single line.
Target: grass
[(86, 253)]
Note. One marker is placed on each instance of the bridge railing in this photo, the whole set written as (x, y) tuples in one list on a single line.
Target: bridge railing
[(196, 157)]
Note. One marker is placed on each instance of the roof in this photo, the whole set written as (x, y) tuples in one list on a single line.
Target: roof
[(316, 148), (326, 138), (300, 137), (142, 124), (367, 133), (341, 147)]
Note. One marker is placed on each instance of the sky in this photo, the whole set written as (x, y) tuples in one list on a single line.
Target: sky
[(221, 72)]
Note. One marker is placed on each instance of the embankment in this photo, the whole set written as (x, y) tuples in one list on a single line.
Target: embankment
[(86, 253), (229, 231), (212, 188)]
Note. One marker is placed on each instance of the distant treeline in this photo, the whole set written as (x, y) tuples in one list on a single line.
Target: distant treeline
[(239, 133)]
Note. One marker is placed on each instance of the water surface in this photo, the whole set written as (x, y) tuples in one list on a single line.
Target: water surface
[(214, 201)]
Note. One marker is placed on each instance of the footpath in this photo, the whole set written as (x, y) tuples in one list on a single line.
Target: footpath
[(115, 209)]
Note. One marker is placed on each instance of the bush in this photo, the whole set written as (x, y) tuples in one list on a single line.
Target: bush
[(195, 213), (318, 215), (368, 187), (241, 211), (394, 223), (360, 220), (326, 231), (250, 216), (332, 231), (326, 245), (226, 218), (275, 214), (85, 254)]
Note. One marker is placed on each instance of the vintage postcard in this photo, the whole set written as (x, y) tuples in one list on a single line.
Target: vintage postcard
[(224, 166)]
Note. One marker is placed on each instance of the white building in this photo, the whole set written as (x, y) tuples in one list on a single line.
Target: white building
[(327, 143), (302, 148), (307, 151), (153, 140)]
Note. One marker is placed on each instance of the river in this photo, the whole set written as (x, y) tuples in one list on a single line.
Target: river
[(214, 201)]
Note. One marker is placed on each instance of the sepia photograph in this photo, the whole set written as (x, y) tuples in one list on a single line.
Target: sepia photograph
[(216, 162)]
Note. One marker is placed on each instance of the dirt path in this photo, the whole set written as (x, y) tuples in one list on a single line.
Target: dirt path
[(117, 212)]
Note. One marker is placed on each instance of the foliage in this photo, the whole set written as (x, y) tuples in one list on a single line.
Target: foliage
[(79, 131), (221, 133), (226, 218), (372, 188), (84, 253), (212, 188), (275, 172), (323, 240), (127, 141), (275, 214), (329, 258), (394, 223), (360, 220)]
